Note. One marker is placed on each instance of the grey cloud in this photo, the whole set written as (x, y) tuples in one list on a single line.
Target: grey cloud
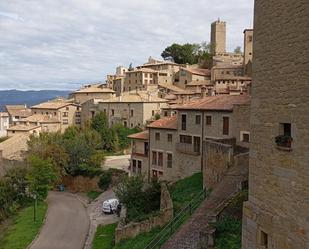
[(47, 44)]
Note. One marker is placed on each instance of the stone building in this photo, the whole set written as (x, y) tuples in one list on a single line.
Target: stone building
[(276, 215), (133, 109), (4, 123), (96, 91), (218, 37), (189, 75), (17, 112), (69, 114), (248, 46)]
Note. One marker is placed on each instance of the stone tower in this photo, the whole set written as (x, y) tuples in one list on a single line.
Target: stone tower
[(248, 45), (277, 213), (218, 37)]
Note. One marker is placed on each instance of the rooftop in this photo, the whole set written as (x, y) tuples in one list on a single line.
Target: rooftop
[(216, 103), (18, 110), (40, 118), (198, 71), (94, 89), (23, 127), (144, 135), (53, 105), (165, 123), (135, 97)]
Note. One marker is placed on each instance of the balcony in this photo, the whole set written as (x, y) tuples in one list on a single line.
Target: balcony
[(187, 149)]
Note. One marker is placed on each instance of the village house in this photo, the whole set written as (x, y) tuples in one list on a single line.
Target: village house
[(175, 143), (4, 123), (69, 114), (188, 75), (133, 109), (96, 91), (17, 112), (23, 130), (276, 215)]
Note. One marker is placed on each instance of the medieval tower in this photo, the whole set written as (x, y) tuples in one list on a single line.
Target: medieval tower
[(218, 37), (277, 213)]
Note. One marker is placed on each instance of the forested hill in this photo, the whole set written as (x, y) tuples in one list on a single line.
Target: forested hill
[(14, 97)]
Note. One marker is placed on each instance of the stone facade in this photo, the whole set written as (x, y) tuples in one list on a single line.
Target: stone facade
[(248, 46), (218, 37), (4, 123), (276, 215)]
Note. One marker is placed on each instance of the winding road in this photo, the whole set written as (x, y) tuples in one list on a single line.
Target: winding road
[(67, 223)]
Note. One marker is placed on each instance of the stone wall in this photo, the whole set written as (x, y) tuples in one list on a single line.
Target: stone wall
[(133, 229), (218, 158), (276, 215)]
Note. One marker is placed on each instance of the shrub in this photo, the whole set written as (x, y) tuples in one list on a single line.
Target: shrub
[(105, 180)]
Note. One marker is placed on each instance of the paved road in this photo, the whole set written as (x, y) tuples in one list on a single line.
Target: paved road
[(117, 162), (66, 225)]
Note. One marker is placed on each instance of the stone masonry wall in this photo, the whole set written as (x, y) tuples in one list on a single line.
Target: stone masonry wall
[(276, 215)]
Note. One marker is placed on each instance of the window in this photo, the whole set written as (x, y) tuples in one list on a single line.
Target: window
[(264, 239), (139, 167), (132, 125), (146, 148), (157, 136), (208, 120), (169, 162), (134, 166), (153, 112), (160, 159), (131, 113), (245, 137), (154, 158), (198, 119), (196, 144), (125, 124), (67, 108), (184, 139), (183, 122), (250, 38), (226, 124), (77, 114), (65, 121), (165, 113), (169, 137), (285, 135), (112, 112), (65, 114)]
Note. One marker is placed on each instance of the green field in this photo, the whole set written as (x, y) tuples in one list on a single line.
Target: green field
[(23, 229)]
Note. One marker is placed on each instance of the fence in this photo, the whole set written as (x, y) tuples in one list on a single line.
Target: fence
[(172, 226)]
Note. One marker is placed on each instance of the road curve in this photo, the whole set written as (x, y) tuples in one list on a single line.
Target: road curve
[(66, 225)]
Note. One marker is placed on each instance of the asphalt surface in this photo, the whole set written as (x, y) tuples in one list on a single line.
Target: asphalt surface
[(117, 162), (66, 225)]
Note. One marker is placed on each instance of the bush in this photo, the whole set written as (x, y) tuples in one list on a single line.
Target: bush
[(105, 180), (139, 199)]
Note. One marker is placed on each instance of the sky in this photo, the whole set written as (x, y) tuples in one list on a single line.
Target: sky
[(62, 44)]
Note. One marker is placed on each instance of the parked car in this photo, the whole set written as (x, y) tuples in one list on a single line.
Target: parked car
[(110, 206)]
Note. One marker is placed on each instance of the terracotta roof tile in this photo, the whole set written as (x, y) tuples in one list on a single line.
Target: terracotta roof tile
[(216, 103), (144, 135), (165, 123), (198, 71)]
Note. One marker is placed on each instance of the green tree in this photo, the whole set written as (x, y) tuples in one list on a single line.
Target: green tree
[(41, 176), (237, 50), (108, 135), (181, 54), (123, 133)]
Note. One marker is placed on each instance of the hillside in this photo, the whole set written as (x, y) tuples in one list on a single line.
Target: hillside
[(10, 97)]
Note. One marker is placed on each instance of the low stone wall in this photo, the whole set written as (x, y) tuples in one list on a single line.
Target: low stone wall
[(133, 229)]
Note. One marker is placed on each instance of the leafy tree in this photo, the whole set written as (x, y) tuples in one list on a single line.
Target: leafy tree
[(105, 180), (131, 68), (140, 200), (123, 133), (237, 50), (108, 135), (41, 176)]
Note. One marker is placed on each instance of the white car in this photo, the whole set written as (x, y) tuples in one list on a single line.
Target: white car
[(110, 206)]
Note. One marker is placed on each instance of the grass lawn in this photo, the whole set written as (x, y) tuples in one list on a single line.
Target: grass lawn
[(23, 230), (104, 237), (92, 195), (183, 191)]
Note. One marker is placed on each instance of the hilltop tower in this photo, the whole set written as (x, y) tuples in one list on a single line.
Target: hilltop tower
[(218, 37)]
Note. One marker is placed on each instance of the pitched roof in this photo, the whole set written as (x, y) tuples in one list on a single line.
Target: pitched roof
[(165, 123), (233, 77), (170, 87), (133, 97), (144, 135), (200, 83), (144, 70), (54, 105), (40, 118), (198, 71), (93, 89), (4, 114), (216, 103), (23, 127), (18, 110)]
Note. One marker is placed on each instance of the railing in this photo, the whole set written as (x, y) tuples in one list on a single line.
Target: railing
[(172, 226), (187, 149)]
